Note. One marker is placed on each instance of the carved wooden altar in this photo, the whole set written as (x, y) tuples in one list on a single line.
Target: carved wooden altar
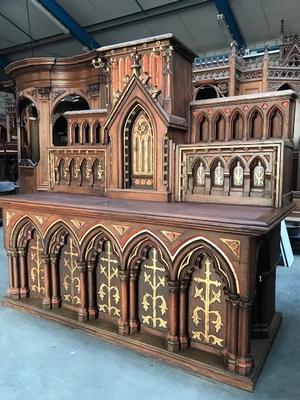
[(156, 221)]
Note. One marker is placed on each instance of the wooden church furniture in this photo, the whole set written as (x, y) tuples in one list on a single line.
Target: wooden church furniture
[(156, 226)]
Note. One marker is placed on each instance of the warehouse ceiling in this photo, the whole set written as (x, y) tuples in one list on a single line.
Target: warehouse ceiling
[(60, 28)]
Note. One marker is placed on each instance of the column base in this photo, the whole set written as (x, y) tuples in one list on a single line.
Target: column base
[(24, 293), (245, 366), (123, 328), (46, 304), (56, 303), (93, 314), (82, 315), (14, 293), (172, 343), (9, 292), (184, 342), (134, 327)]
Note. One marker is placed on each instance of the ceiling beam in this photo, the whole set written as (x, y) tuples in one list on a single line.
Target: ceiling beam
[(224, 8), (66, 20), (166, 9), (3, 62)]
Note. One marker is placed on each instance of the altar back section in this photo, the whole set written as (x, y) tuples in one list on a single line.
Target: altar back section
[(187, 274)]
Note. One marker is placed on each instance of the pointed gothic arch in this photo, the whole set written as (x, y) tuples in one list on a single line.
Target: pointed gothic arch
[(237, 125), (138, 149), (256, 121)]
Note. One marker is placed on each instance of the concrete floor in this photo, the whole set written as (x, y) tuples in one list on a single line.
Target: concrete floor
[(43, 360)]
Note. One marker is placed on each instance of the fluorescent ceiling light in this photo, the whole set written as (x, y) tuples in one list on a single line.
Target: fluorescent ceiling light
[(50, 16)]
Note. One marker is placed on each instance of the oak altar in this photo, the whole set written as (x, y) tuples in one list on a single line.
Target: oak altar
[(153, 220)]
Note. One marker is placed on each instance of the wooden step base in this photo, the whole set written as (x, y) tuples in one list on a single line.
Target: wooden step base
[(194, 361)]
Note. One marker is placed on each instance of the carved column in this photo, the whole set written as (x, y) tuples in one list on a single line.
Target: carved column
[(56, 299), (133, 318), (265, 71), (10, 274), (91, 279), (123, 323), (183, 315), (15, 293), (245, 359), (24, 289), (232, 68), (172, 337), (82, 312), (46, 303), (233, 321)]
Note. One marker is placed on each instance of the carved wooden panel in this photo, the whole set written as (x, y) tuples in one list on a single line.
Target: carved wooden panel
[(69, 273), (207, 318), (234, 173), (153, 292), (108, 291), (78, 170), (35, 265)]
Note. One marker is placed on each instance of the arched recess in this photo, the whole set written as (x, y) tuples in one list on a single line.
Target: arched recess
[(237, 125), (29, 131), (27, 240), (256, 124), (198, 173), (97, 133), (275, 123), (149, 267), (86, 133), (71, 102), (237, 173), (217, 173), (102, 255), (206, 92), (75, 133), (219, 126), (285, 86), (138, 149), (203, 128), (258, 173), (207, 284), (63, 248)]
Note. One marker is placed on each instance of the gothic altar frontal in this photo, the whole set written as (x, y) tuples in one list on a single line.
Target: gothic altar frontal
[(152, 220)]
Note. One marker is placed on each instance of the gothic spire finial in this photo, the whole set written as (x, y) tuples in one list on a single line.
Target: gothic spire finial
[(282, 27)]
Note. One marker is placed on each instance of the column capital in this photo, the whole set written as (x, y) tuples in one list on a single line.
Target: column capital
[(81, 265), (184, 284), (22, 251), (123, 274), (245, 303), (173, 286), (45, 258), (133, 273)]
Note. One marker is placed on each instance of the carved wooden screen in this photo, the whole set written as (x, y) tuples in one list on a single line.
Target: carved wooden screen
[(69, 274), (153, 292), (206, 306), (138, 150), (108, 291), (35, 266)]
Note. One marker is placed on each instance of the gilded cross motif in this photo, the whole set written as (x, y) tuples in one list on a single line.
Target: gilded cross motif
[(238, 175), (108, 291), (259, 175), (37, 270), (155, 299), (71, 282), (201, 174), (219, 175), (207, 296)]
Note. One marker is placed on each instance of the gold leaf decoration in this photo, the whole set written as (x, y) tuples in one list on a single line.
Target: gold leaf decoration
[(171, 236), (9, 216), (40, 219), (121, 229), (234, 246), (77, 223)]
